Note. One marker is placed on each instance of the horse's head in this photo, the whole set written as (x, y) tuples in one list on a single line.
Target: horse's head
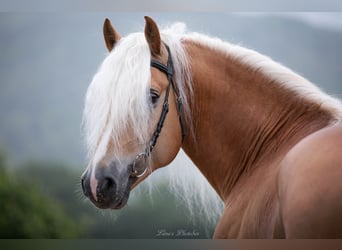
[(131, 115)]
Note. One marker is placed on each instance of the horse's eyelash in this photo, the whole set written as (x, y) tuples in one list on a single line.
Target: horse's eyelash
[(155, 92)]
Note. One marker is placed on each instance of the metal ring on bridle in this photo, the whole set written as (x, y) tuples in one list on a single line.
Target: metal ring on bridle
[(135, 172)]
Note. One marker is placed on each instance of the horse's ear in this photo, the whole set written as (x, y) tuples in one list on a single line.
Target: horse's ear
[(152, 36), (111, 36)]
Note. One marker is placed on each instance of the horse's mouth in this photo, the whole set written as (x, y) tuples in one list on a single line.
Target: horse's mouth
[(121, 204), (115, 202)]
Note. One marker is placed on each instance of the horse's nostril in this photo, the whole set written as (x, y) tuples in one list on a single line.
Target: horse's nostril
[(106, 186), (108, 183), (83, 187)]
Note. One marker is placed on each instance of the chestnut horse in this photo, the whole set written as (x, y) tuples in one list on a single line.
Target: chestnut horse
[(267, 140)]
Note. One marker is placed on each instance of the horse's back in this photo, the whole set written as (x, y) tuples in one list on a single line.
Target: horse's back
[(310, 186)]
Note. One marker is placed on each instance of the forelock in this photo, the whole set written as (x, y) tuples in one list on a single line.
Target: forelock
[(117, 96)]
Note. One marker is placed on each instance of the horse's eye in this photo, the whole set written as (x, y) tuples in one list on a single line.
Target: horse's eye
[(154, 96)]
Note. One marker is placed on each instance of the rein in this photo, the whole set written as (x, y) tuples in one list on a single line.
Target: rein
[(141, 159)]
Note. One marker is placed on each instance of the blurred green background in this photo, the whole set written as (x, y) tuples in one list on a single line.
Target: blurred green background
[(47, 61)]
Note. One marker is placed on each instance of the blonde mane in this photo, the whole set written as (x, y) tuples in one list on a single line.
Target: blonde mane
[(276, 72)]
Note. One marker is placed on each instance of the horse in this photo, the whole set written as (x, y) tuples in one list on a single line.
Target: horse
[(266, 139)]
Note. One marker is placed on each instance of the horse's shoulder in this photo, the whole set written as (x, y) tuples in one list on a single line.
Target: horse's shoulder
[(310, 187)]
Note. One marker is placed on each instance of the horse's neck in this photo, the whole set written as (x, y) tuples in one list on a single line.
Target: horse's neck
[(242, 120)]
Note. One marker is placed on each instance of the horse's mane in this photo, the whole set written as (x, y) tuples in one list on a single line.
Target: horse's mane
[(274, 71), (116, 99)]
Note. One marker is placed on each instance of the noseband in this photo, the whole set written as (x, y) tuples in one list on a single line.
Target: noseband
[(168, 71)]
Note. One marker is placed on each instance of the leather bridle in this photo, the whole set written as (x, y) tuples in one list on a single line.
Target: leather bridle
[(168, 70)]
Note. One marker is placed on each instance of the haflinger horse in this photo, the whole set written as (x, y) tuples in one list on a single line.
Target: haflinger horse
[(267, 140)]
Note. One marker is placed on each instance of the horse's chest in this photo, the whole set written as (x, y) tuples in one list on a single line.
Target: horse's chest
[(257, 217)]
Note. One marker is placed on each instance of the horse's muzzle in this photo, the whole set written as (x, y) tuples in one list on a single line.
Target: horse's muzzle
[(107, 187)]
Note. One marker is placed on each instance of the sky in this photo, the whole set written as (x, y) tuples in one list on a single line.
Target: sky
[(175, 5), (328, 20)]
